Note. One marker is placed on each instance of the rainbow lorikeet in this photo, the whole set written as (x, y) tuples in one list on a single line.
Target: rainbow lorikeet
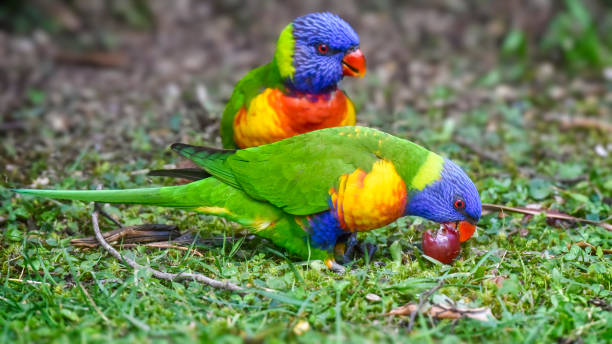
[(298, 91), (311, 192)]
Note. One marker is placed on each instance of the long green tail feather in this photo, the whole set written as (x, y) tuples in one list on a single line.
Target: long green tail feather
[(208, 196), (180, 196)]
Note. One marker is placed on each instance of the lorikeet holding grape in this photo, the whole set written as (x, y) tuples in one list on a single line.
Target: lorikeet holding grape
[(298, 91), (311, 192)]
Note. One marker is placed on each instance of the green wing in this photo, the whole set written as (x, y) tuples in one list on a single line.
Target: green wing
[(248, 87), (296, 174), (212, 160)]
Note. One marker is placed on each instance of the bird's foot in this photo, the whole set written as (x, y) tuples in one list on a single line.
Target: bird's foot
[(350, 244), (368, 250), (334, 266), (346, 250)]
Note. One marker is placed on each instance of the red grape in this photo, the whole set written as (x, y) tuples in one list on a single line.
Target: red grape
[(443, 245)]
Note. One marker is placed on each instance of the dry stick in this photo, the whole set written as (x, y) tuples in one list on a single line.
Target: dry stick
[(101, 210), (567, 121), (123, 231), (159, 274), (129, 234), (422, 299), (26, 281), (584, 244), (559, 216)]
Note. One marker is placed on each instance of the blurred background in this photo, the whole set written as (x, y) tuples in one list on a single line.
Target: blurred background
[(519, 93), (127, 78)]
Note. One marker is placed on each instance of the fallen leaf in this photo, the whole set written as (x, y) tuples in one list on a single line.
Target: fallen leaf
[(445, 311), (301, 327), (481, 313), (403, 310), (445, 308), (373, 297)]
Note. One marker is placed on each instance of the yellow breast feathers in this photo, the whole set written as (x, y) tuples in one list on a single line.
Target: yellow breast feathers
[(365, 201)]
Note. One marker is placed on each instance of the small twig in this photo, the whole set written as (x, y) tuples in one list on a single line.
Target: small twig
[(159, 274), (584, 244), (26, 281), (550, 215), (102, 212), (147, 235), (570, 122), (132, 234), (422, 299)]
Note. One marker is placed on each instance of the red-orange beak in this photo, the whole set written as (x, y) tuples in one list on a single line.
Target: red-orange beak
[(354, 64), (465, 229)]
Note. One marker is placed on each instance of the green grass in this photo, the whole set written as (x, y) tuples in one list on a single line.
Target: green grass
[(53, 291)]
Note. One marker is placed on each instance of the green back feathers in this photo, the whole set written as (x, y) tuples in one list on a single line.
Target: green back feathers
[(295, 174)]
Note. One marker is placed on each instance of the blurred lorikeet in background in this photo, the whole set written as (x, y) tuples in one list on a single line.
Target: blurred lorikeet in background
[(311, 192), (298, 91)]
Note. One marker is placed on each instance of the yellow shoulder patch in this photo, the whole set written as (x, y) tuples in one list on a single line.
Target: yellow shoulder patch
[(428, 172)]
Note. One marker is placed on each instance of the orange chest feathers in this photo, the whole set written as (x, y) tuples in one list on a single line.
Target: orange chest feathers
[(272, 116)]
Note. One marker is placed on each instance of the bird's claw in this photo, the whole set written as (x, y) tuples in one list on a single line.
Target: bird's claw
[(368, 250), (334, 266), (351, 243)]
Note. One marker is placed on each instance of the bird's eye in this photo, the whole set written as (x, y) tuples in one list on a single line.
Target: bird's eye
[(323, 48), (459, 204)]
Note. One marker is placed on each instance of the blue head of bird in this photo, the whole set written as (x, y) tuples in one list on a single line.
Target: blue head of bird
[(316, 51), (452, 199)]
